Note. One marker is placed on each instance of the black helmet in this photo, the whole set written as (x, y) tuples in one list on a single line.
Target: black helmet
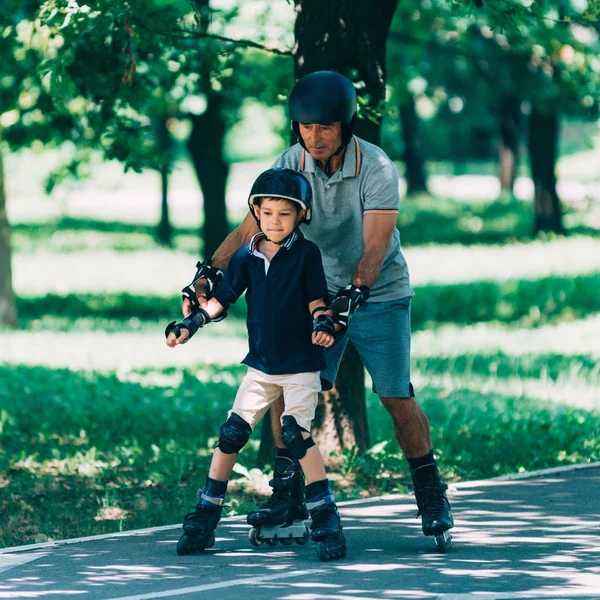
[(323, 97), (283, 183)]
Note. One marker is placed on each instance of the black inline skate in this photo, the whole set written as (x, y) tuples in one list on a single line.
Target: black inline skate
[(281, 518), (199, 526), (326, 531), (434, 507)]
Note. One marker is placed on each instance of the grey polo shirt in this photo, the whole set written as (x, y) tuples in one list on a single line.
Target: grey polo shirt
[(366, 183)]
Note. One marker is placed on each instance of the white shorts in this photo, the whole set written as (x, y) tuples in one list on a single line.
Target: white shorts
[(258, 391)]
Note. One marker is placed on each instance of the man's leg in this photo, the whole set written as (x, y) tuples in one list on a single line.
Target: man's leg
[(410, 426), (413, 434), (380, 333)]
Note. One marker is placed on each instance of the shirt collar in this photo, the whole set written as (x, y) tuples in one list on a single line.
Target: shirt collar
[(258, 237), (348, 166)]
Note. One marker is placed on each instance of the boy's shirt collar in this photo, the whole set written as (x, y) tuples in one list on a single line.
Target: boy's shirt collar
[(255, 241)]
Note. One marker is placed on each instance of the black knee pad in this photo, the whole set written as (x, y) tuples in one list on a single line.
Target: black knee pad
[(291, 436), (235, 433)]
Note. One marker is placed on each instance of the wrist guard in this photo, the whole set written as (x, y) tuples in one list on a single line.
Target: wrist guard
[(324, 323), (347, 301), (194, 321), (213, 277)]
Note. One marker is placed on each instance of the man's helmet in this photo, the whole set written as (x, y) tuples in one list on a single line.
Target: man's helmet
[(323, 97), (282, 183)]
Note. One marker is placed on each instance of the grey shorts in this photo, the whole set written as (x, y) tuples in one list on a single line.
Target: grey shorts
[(380, 332)]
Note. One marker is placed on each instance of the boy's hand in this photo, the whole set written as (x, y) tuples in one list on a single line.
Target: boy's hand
[(322, 338), (173, 340)]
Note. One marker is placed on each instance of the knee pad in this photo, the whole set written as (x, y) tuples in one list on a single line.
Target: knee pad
[(291, 436), (235, 433)]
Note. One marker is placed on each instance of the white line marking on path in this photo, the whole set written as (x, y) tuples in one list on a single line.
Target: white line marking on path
[(542, 595), (217, 586), (10, 561)]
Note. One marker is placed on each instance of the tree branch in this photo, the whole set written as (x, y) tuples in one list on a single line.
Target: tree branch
[(220, 38)]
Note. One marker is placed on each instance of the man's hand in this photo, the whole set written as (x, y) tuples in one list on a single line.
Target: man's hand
[(201, 298), (203, 287), (347, 301)]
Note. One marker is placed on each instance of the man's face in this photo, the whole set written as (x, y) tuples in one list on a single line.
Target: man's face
[(321, 140), (278, 217)]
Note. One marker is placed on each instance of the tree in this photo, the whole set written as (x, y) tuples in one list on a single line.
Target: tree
[(348, 37), (8, 308)]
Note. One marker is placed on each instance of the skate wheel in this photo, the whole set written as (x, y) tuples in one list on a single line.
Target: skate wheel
[(254, 537), (271, 542), (187, 545), (286, 541), (443, 541), (305, 537), (322, 552)]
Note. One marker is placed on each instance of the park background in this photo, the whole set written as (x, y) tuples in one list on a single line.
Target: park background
[(111, 116)]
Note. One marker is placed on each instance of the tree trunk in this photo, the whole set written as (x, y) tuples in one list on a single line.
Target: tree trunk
[(8, 307), (510, 116), (543, 146), (341, 419), (349, 37), (416, 182), (206, 149), (164, 231)]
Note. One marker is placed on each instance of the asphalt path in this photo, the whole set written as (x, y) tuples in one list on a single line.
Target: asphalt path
[(527, 536)]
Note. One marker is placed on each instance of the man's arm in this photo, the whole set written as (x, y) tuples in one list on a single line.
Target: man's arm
[(234, 241), (378, 227)]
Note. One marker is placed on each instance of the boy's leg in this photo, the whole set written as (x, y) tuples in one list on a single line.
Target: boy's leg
[(252, 400), (287, 502)]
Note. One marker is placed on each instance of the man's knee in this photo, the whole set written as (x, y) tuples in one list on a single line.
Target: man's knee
[(235, 433), (291, 436)]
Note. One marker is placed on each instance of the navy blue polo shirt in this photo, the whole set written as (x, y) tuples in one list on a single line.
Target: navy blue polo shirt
[(277, 295)]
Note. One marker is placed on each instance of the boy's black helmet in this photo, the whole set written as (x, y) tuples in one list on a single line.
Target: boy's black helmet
[(323, 97), (283, 183)]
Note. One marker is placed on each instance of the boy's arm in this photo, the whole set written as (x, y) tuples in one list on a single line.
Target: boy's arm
[(323, 325), (179, 334)]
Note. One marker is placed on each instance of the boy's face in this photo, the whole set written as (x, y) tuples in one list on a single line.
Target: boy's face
[(277, 217)]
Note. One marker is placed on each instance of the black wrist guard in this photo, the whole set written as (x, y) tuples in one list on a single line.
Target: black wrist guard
[(213, 277), (194, 321), (324, 323), (347, 301)]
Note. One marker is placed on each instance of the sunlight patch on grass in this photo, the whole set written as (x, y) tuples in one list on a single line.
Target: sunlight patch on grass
[(573, 337), (99, 351), (165, 272)]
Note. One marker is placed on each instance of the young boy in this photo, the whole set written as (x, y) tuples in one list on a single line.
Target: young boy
[(282, 275)]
